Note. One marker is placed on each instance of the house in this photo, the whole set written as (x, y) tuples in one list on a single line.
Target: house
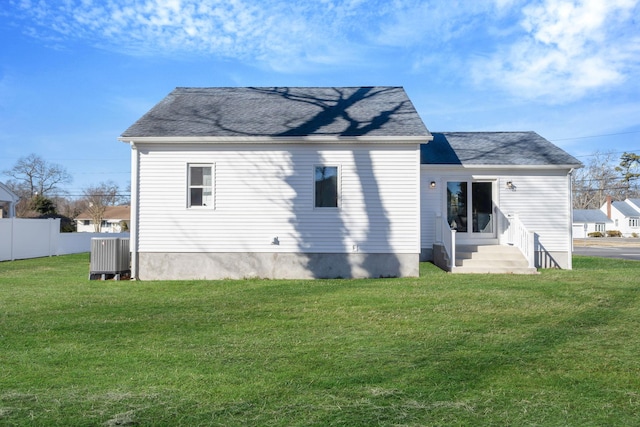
[(625, 216), (8, 201), (317, 182), (115, 219), (587, 221)]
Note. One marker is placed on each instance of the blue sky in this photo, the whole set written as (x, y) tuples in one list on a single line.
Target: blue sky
[(74, 74)]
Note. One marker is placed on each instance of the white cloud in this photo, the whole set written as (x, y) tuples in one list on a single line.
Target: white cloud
[(567, 50), (275, 32), (417, 22), (556, 50)]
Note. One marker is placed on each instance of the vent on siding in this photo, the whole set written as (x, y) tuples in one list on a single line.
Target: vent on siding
[(109, 258)]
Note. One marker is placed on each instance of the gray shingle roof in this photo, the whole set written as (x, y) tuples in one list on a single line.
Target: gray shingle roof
[(493, 149), (282, 112), (625, 209), (590, 215)]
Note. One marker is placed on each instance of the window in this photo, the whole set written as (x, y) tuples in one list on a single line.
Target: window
[(600, 227), (200, 186), (326, 186), (634, 222)]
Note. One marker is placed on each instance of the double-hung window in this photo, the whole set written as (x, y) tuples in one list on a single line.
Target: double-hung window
[(200, 185), (326, 187), (634, 222)]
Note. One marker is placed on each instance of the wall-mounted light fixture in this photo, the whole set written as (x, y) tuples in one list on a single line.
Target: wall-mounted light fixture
[(510, 185), (432, 184)]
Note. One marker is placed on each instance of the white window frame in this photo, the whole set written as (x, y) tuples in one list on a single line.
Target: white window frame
[(600, 226), (338, 186), (212, 203), (634, 222)]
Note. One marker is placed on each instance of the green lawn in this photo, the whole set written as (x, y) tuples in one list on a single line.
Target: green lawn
[(559, 348)]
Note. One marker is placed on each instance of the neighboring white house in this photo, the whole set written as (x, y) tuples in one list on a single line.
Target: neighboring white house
[(625, 216), (116, 219), (8, 200), (587, 221), (330, 182)]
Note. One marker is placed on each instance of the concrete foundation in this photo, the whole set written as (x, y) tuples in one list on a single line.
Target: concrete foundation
[(213, 266), (426, 255), (440, 258)]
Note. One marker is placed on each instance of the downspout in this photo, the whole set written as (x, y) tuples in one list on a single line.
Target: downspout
[(570, 260), (133, 226), (419, 207)]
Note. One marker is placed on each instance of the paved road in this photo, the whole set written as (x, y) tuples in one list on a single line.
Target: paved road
[(623, 252)]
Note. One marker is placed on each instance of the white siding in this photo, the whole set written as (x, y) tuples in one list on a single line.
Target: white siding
[(541, 199), (264, 191), (431, 200), (543, 203)]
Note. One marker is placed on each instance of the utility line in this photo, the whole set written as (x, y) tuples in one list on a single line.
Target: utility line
[(595, 136)]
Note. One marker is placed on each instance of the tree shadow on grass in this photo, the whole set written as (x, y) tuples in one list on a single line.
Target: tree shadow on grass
[(467, 363)]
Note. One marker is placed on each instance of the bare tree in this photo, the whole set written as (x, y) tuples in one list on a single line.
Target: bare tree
[(69, 207), (98, 198), (597, 180), (33, 175)]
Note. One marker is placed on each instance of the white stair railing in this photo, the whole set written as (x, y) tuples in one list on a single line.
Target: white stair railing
[(521, 238), (446, 236)]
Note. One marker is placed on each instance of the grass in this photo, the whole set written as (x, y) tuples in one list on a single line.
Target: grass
[(559, 348)]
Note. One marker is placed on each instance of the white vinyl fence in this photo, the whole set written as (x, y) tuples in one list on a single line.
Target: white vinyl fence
[(22, 238)]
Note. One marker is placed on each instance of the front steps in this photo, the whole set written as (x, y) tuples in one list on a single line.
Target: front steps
[(493, 259)]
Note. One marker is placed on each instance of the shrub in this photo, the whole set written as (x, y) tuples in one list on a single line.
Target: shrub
[(634, 234), (596, 234), (614, 233)]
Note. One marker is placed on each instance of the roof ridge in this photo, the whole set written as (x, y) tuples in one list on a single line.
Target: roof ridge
[(288, 87)]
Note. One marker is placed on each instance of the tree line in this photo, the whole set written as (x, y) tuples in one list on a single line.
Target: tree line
[(39, 184), (604, 175)]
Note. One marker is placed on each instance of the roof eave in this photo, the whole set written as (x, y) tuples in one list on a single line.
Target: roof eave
[(504, 166), (272, 139)]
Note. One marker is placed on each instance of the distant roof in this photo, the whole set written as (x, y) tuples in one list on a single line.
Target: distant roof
[(6, 195), (634, 201), (111, 212), (494, 149), (380, 111), (589, 215), (625, 209)]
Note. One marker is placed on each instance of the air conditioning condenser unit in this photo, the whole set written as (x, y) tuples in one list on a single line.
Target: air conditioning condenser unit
[(110, 258)]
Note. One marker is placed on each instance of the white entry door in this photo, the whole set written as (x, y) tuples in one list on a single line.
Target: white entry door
[(470, 209)]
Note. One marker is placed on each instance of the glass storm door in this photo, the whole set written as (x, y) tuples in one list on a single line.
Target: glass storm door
[(470, 208)]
